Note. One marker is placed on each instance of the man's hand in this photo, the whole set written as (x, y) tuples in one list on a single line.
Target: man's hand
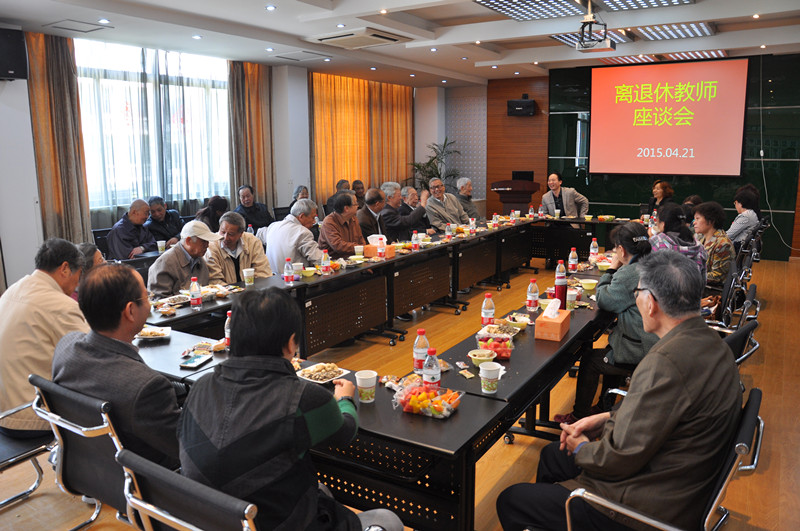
[(343, 388), (430, 232), (582, 430), (135, 251), (423, 198), (171, 242), (709, 302), (571, 438)]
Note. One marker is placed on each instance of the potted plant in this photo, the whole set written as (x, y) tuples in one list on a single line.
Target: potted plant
[(436, 166)]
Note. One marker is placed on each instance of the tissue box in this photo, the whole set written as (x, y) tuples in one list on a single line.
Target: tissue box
[(552, 329), (372, 250)]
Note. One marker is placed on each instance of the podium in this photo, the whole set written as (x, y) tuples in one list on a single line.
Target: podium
[(515, 194)]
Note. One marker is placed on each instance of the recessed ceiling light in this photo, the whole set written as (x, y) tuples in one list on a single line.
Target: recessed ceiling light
[(755, 16), (270, 49), (270, 7), (433, 49), (477, 42), (641, 55), (327, 59), (104, 21), (763, 46), (197, 37), (516, 73), (372, 68), (463, 58), (444, 81), (412, 75), (536, 62), (383, 11), (494, 66), (339, 25)]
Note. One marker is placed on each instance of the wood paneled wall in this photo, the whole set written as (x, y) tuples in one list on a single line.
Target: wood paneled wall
[(515, 143), (796, 231)]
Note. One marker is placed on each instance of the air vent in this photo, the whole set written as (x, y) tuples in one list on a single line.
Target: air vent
[(358, 38), (299, 56)]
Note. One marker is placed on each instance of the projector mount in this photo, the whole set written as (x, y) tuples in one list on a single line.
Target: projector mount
[(587, 42)]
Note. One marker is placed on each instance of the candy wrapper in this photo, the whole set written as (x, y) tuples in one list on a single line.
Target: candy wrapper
[(437, 404)]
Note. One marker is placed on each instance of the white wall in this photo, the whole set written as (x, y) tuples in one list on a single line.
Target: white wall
[(20, 216), (466, 126), (429, 120), (290, 131)]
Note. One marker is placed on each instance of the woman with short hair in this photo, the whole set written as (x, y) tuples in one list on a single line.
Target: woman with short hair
[(708, 220)]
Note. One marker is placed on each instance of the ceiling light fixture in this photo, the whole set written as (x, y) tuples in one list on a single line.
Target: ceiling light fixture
[(524, 10), (494, 66), (104, 21), (383, 11), (270, 49), (339, 25), (536, 62), (464, 58), (763, 46), (661, 32), (372, 68), (626, 5), (197, 37), (327, 59), (695, 55), (516, 73), (755, 16), (477, 42), (433, 49), (270, 7), (412, 75), (444, 81)]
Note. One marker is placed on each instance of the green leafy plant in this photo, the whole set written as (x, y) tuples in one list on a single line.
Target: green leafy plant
[(436, 166)]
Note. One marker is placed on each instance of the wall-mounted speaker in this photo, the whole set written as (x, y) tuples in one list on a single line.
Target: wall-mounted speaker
[(13, 57), (521, 107)]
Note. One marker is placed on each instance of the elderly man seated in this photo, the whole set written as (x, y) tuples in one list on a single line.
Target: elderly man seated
[(255, 214), (340, 232), (292, 237), (444, 208), (163, 224), (411, 200), (105, 364), (464, 196), (660, 451), (236, 251), (400, 226), (369, 216), (173, 270), (129, 237)]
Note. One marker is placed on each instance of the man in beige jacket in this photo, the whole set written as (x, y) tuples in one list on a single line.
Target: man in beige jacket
[(37, 312), (236, 251)]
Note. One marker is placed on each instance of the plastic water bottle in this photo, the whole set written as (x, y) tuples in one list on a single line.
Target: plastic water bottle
[(415, 241), (653, 220), (531, 211), (472, 228), (448, 231), (316, 220), (195, 295), (495, 221), (593, 251), (487, 310), (573, 261), (325, 264), (541, 211), (382, 248), (421, 347), (532, 300), (561, 284), (288, 271), (228, 332), (431, 372), (250, 229)]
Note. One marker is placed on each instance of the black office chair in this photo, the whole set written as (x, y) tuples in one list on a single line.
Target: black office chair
[(280, 213), (178, 502), (747, 441), (85, 463), (742, 343), (17, 451), (101, 240)]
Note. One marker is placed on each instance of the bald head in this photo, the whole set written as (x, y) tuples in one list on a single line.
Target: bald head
[(138, 212)]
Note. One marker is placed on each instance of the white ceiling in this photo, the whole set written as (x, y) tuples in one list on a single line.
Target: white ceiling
[(243, 29)]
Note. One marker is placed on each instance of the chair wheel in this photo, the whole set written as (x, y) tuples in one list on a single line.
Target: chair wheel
[(458, 312), (392, 342), (402, 338), (508, 438), (499, 288), (464, 308)]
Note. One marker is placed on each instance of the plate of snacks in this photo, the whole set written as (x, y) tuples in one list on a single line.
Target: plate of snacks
[(153, 332), (439, 403), (175, 300), (322, 373)]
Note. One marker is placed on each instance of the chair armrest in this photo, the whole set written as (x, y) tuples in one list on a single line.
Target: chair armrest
[(616, 507), (94, 431), (619, 392), (14, 410), (756, 452)]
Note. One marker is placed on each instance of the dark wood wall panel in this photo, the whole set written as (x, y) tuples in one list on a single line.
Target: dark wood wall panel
[(515, 142), (796, 231)]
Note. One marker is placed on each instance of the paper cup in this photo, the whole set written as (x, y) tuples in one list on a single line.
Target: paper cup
[(490, 375), (366, 381), (359, 250), (646, 218), (572, 297), (557, 213), (249, 276), (162, 246), (297, 267)]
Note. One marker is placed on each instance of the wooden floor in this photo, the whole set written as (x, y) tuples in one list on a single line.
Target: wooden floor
[(766, 500)]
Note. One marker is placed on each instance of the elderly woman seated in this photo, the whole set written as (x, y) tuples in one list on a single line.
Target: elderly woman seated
[(708, 220)]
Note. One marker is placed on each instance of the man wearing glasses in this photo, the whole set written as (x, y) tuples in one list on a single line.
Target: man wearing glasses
[(659, 451), (444, 208)]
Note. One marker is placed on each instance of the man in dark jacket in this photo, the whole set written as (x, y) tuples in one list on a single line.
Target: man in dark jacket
[(129, 237), (255, 214), (163, 224), (400, 226)]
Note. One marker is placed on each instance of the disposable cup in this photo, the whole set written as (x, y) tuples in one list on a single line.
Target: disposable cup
[(249, 275), (298, 267), (162, 246), (490, 375), (366, 382), (558, 213), (572, 297), (646, 218), (359, 250)]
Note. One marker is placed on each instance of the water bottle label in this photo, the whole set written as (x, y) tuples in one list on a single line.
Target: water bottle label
[(419, 358), (197, 301), (532, 304), (573, 265), (326, 268), (431, 382), (487, 318), (381, 252), (288, 278), (415, 246)]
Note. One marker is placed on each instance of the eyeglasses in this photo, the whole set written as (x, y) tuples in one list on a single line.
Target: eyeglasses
[(637, 290), (437, 186)]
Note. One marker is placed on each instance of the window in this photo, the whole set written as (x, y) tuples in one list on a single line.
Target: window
[(154, 123)]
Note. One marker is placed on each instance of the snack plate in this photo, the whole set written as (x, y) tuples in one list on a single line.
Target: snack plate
[(341, 373), (163, 332), (176, 300)]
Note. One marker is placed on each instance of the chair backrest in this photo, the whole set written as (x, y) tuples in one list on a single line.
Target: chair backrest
[(87, 442), (746, 441), (280, 212), (728, 295), (154, 492), (101, 240), (739, 341)]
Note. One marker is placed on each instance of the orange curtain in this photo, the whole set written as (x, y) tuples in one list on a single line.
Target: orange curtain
[(57, 137), (361, 130), (250, 130)]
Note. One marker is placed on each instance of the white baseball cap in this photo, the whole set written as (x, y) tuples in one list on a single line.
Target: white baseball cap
[(199, 229)]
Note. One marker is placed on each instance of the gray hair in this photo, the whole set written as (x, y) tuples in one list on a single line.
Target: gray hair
[(389, 188), (462, 182), (155, 200), (303, 207), (406, 190), (234, 218), (674, 280), (430, 183), (300, 188)]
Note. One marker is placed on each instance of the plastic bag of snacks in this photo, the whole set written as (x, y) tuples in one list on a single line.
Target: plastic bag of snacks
[(438, 404)]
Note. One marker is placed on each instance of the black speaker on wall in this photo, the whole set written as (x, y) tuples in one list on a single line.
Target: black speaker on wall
[(524, 107), (13, 57)]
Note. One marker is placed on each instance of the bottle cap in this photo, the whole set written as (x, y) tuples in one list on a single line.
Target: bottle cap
[(229, 313), (533, 281), (561, 262), (594, 239), (420, 331), (431, 352), (288, 259), (573, 248), (194, 279), (488, 295)]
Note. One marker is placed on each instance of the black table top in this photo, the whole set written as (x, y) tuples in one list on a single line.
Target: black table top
[(164, 355), (528, 358)]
